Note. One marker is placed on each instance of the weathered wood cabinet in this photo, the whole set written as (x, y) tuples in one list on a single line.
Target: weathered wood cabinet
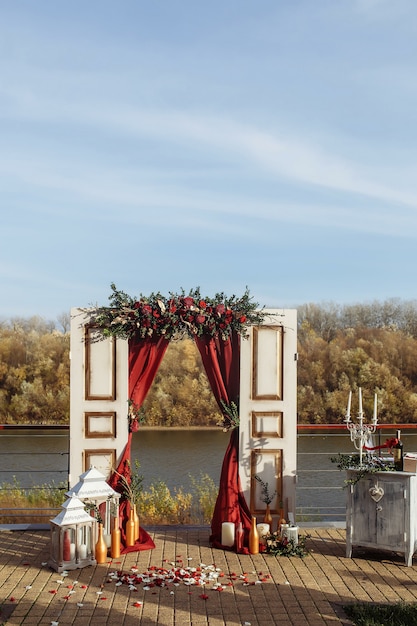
[(381, 513)]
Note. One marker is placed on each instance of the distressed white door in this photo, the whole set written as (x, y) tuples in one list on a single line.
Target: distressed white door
[(98, 397), (268, 411)]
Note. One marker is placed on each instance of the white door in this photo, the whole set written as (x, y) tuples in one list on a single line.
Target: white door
[(268, 411), (98, 397)]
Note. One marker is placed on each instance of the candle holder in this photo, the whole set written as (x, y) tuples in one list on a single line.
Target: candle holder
[(360, 432)]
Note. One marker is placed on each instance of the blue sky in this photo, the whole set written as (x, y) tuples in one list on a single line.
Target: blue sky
[(172, 144)]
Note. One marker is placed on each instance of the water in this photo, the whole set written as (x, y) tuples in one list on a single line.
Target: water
[(37, 457)]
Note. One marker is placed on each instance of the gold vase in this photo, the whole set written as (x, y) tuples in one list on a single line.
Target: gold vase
[(100, 551), (253, 538), (130, 529), (115, 540), (136, 520), (268, 516)]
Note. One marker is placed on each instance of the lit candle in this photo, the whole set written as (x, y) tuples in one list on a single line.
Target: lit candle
[(360, 401), (375, 408), (348, 406), (228, 534)]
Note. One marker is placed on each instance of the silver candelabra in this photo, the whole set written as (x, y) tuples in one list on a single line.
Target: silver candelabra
[(360, 432)]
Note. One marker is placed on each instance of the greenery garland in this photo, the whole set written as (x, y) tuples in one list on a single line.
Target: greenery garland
[(370, 465), (176, 316)]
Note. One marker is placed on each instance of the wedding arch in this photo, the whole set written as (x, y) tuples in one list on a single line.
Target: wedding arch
[(116, 351)]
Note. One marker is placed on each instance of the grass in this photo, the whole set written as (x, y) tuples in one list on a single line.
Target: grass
[(400, 614), (157, 504)]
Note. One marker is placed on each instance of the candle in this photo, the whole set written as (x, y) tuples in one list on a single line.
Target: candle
[(348, 405), (291, 534), (228, 534), (263, 529), (375, 408), (82, 551), (360, 402), (72, 551)]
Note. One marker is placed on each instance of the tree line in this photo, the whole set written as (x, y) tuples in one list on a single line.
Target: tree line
[(340, 347)]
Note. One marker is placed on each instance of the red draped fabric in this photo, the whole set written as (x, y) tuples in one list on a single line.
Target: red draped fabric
[(145, 356), (221, 361)]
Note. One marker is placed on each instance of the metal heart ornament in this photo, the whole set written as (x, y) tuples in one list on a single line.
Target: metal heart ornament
[(376, 493)]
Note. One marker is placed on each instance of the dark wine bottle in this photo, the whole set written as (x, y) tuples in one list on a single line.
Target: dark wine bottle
[(398, 453)]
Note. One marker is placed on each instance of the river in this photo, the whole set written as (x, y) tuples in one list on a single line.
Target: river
[(40, 456)]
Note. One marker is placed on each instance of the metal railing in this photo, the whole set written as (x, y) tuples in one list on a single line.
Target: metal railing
[(320, 484)]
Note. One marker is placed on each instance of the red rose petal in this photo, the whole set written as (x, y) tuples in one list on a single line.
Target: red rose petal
[(204, 596), (12, 599)]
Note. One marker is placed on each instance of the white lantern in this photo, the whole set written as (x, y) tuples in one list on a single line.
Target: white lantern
[(72, 537), (93, 488)]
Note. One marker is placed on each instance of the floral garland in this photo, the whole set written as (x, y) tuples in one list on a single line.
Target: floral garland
[(176, 316)]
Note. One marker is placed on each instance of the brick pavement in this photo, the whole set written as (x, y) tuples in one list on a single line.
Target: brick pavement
[(256, 590)]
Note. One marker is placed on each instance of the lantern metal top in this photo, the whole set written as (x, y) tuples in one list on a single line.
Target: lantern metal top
[(92, 486), (73, 512)]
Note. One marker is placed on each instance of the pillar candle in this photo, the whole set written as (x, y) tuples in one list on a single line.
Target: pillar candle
[(82, 551), (360, 400), (292, 534), (228, 534), (263, 529)]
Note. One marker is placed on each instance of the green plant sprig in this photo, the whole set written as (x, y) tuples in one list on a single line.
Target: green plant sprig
[(371, 465)]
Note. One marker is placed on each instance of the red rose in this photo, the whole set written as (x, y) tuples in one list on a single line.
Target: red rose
[(172, 306), (188, 301), (202, 304), (147, 308), (200, 319), (242, 319), (220, 309), (137, 305)]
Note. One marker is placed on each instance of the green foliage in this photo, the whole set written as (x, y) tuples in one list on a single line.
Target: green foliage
[(399, 614), (370, 465), (181, 394), (283, 547), (373, 346), (370, 346), (40, 502), (34, 373)]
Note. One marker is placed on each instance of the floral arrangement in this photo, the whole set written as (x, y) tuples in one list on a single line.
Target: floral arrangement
[(176, 316), (278, 546), (230, 416), (135, 417)]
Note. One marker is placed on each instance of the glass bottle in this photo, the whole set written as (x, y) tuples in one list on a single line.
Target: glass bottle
[(100, 551), (239, 538), (398, 453), (115, 540), (130, 529), (253, 538)]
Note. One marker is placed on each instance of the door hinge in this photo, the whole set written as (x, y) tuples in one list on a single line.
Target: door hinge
[(296, 356)]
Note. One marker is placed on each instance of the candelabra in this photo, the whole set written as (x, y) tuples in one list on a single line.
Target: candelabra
[(360, 432)]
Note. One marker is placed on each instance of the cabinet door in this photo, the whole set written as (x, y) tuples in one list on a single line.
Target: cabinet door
[(381, 522), (391, 514), (364, 519)]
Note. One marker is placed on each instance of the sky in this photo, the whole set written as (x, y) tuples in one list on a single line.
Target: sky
[(167, 145)]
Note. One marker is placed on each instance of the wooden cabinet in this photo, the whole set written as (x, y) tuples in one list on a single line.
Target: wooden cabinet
[(381, 513)]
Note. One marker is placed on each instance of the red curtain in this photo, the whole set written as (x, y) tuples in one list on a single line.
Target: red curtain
[(145, 356), (221, 361)]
